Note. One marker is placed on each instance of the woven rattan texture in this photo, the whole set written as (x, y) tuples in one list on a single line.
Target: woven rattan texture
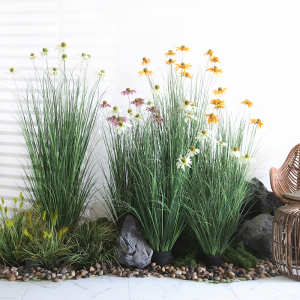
[(287, 178), (286, 240)]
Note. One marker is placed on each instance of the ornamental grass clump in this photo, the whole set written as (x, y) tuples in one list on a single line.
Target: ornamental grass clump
[(144, 177), (57, 115)]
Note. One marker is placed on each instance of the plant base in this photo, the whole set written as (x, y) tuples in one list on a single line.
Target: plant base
[(31, 263), (213, 260), (161, 257)]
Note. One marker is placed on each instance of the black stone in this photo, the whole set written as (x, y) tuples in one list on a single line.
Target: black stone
[(85, 276), (138, 275), (210, 278)]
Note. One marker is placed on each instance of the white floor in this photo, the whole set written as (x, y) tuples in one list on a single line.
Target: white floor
[(115, 288)]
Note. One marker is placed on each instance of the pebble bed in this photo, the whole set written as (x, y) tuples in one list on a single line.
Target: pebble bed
[(225, 274)]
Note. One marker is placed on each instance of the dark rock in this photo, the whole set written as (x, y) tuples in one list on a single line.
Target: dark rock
[(262, 201), (210, 278), (138, 275), (257, 235), (132, 249), (85, 276)]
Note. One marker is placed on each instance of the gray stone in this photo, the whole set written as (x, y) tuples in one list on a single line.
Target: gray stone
[(262, 201), (257, 234), (132, 249)]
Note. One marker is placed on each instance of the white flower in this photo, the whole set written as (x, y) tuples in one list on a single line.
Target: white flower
[(246, 159), (194, 108), (234, 152), (157, 90), (122, 126), (137, 117), (12, 72), (203, 135), (115, 111), (100, 73), (89, 57), (83, 56), (189, 117), (150, 102), (130, 113), (183, 162), (186, 106), (32, 56), (64, 57), (62, 47), (193, 151), (221, 144), (54, 72), (45, 52)]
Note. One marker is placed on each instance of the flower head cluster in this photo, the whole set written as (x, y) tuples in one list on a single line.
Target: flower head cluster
[(170, 53), (247, 102), (62, 47), (215, 70), (183, 48), (209, 52), (145, 72), (156, 90), (184, 162), (203, 135), (105, 104), (170, 61), (138, 102), (220, 91), (212, 118)]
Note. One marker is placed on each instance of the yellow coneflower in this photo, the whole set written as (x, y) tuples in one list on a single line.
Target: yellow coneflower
[(183, 48), (247, 102), (214, 59), (26, 231), (30, 237), (170, 61), (209, 52), (212, 118), (145, 72), (216, 101), (9, 223), (215, 70), (169, 53), (220, 91), (45, 234), (29, 223), (183, 66), (29, 215), (15, 200), (44, 215), (21, 205), (60, 234), (221, 104), (258, 122), (145, 61), (50, 234), (5, 209), (2, 200), (186, 74), (65, 229), (21, 196)]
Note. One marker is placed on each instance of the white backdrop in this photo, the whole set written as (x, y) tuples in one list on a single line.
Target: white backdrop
[(257, 43)]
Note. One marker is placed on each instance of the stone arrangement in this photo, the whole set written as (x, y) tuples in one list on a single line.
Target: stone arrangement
[(225, 274)]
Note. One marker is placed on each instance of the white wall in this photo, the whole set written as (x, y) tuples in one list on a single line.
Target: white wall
[(257, 43)]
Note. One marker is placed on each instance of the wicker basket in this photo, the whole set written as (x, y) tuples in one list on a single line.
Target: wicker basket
[(286, 240)]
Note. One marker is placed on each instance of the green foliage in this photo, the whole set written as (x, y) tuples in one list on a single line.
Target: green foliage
[(239, 256), (188, 260), (94, 242), (143, 176), (218, 187), (57, 116), (11, 233)]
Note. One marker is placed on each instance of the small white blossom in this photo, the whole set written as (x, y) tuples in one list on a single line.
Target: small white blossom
[(221, 144), (45, 52), (62, 47), (234, 152), (115, 111), (54, 72), (130, 113), (186, 106), (12, 72), (192, 151), (122, 126), (157, 90), (189, 117), (64, 57), (203, 135), (101, 74), (137, 117), (246, 159), (184, 162), (32, 56)]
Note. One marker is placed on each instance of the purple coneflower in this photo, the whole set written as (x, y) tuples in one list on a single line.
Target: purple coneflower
[(128, 91), (158, 118), (105, 104), (152, 109), (138, 102)]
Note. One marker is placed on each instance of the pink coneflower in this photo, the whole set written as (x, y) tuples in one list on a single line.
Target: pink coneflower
[(115, 120), (158, 118), (138, 102), (152, 109), (105, 104), (128, 91)]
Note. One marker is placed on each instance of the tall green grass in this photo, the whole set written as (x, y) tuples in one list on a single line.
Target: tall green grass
[(57, 116), (143, 176)]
